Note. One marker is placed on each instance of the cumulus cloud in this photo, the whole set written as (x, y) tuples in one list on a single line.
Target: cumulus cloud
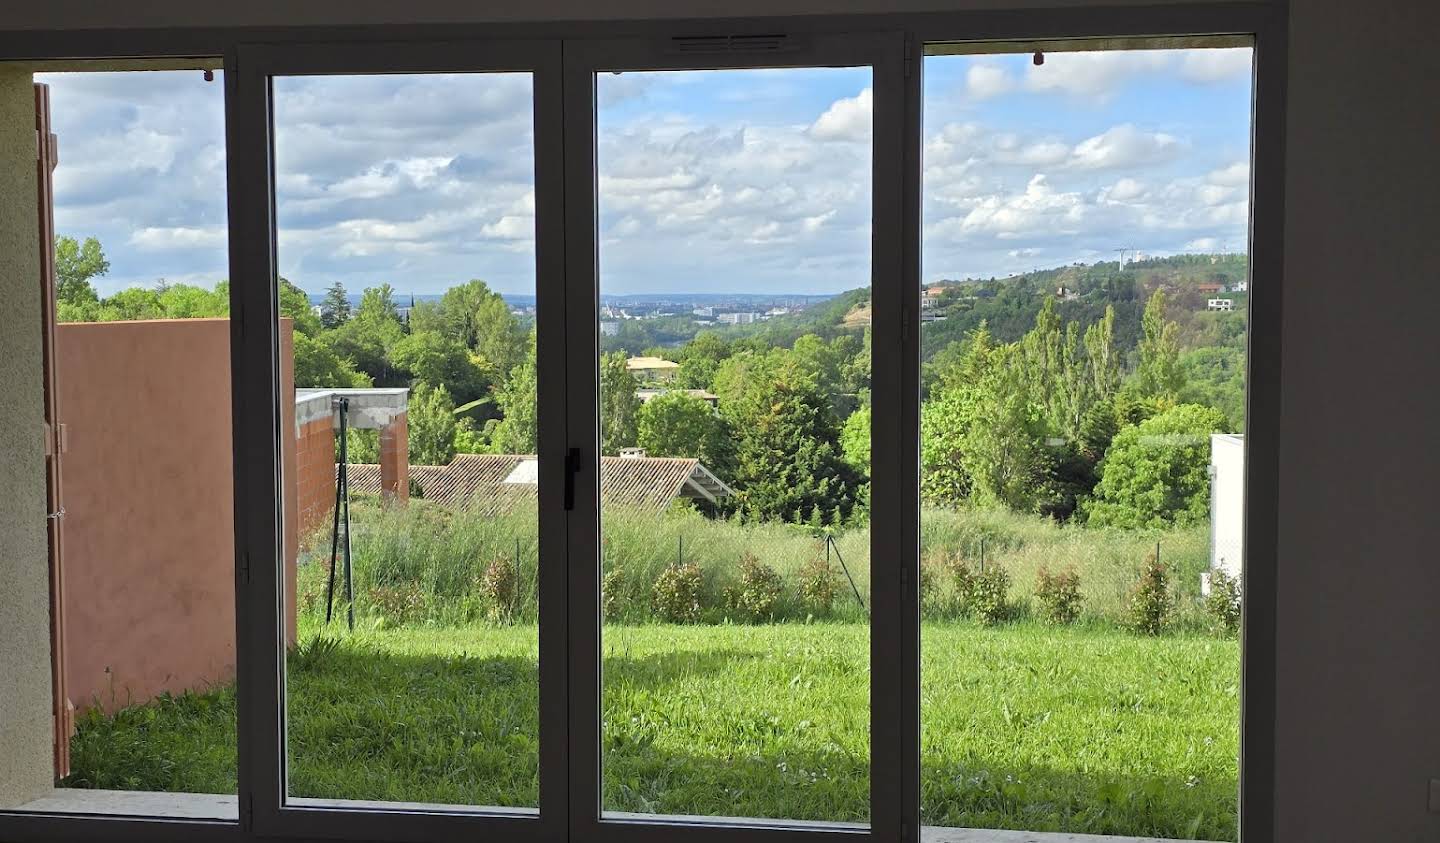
[(983, 81), (1094, 75), (1124, 146), (1206, 66), (847, 119)]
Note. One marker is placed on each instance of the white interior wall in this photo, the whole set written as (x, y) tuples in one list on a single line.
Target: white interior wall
[(1359, 629)]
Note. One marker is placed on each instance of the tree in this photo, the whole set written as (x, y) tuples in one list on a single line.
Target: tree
[(1158, 374), (184, 301), (618, 404), (75, 265), (436, 360), (431, 422), (1101, 357), (1155, 474), (515, 432), (295, 305), (677, 424), (318, 365), (372, 331), (788, 465), (335, 309), (855, 440), (481, 319)]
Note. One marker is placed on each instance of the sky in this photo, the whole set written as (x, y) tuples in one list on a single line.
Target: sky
[(753, 181)]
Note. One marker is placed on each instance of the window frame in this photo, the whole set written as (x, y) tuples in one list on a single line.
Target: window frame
[(883, 53), (263, 797), (254, 360)]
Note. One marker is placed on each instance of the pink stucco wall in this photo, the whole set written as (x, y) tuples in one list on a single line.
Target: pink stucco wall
[(148, 497)]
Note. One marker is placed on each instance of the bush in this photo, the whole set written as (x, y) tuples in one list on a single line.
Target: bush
[(818, 585), (1059, 595), (1150, 603), (614, 594), (676, 595), (498, 587), (988, 598), (1222, 605), (399, 605), (758, 593)]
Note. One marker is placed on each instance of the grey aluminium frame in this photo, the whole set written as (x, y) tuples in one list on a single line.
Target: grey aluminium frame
[(265, 807), (884, 54), (247, 125)]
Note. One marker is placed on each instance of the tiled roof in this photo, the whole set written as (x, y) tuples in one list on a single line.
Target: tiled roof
[(499, 482)]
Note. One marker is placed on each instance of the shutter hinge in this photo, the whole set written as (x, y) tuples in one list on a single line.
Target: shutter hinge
[(905, 324), (245, 569), (909, 57)]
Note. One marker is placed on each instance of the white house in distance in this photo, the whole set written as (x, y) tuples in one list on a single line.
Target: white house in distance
[(649, 369), (1227, 505), (1225, 305)]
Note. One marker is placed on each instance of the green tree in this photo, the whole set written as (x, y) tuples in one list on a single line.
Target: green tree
[(1158, 374), (75, 264), (677, 424), (788, 465), (437, 360), (318, 365), (1155, 474), (184, 301), (295, 305), (335, 309), (481, 319), (372, 331), (431, 422), (515, 431), (1100, 355), (855, 440), (619, 404), (135, 303)]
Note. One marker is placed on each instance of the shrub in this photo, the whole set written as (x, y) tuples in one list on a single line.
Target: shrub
[(498, 587), (614, 593), (931, 573), (1222, 605), (988, 599), (1059, 595), (1150, 603), (676, 595), (962, 576), (399, 604), (818, 584), (758, 592)]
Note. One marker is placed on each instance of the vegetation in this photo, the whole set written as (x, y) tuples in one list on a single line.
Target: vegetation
[(1082, 730)]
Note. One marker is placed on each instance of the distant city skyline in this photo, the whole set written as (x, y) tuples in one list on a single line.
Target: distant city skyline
[(711, 181)]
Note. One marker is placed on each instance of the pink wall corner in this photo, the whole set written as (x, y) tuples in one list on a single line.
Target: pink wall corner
[(149, 523)]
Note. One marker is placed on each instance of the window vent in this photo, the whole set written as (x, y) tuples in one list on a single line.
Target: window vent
[(714, 44)]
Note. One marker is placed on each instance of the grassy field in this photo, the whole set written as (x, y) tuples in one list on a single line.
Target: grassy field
[(433, 560), (1082, 729)]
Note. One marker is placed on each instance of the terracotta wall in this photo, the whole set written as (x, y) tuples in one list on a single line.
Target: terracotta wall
[(315, 474), (148, 496)]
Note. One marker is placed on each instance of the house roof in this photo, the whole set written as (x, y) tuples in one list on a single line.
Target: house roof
[(650, 363), (499, 482)]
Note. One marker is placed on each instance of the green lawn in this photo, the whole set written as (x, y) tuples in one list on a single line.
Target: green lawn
[(1086, 729)]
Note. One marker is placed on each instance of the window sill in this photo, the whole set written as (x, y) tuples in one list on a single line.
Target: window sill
[(135, 803)]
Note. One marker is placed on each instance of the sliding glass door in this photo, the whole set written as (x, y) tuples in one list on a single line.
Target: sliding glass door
[(729, 276)]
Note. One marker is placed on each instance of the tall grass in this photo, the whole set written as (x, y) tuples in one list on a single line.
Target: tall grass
[(425, 564)]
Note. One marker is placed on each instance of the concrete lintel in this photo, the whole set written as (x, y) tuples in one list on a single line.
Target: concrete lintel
[(370, 409)]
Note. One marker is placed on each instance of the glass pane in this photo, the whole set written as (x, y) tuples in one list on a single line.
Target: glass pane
[(734, 253), (406, 242), (1084, 338), (132, 690)]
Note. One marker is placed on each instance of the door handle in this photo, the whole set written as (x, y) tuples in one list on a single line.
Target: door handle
[(572, 467)]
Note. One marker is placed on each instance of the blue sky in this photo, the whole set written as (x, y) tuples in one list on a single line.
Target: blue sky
[(744, 181)]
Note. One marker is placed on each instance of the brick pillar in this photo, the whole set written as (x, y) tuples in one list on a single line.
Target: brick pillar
[(395, 461)]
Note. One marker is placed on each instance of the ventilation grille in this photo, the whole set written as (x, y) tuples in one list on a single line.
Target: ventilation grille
[(721, 44)]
